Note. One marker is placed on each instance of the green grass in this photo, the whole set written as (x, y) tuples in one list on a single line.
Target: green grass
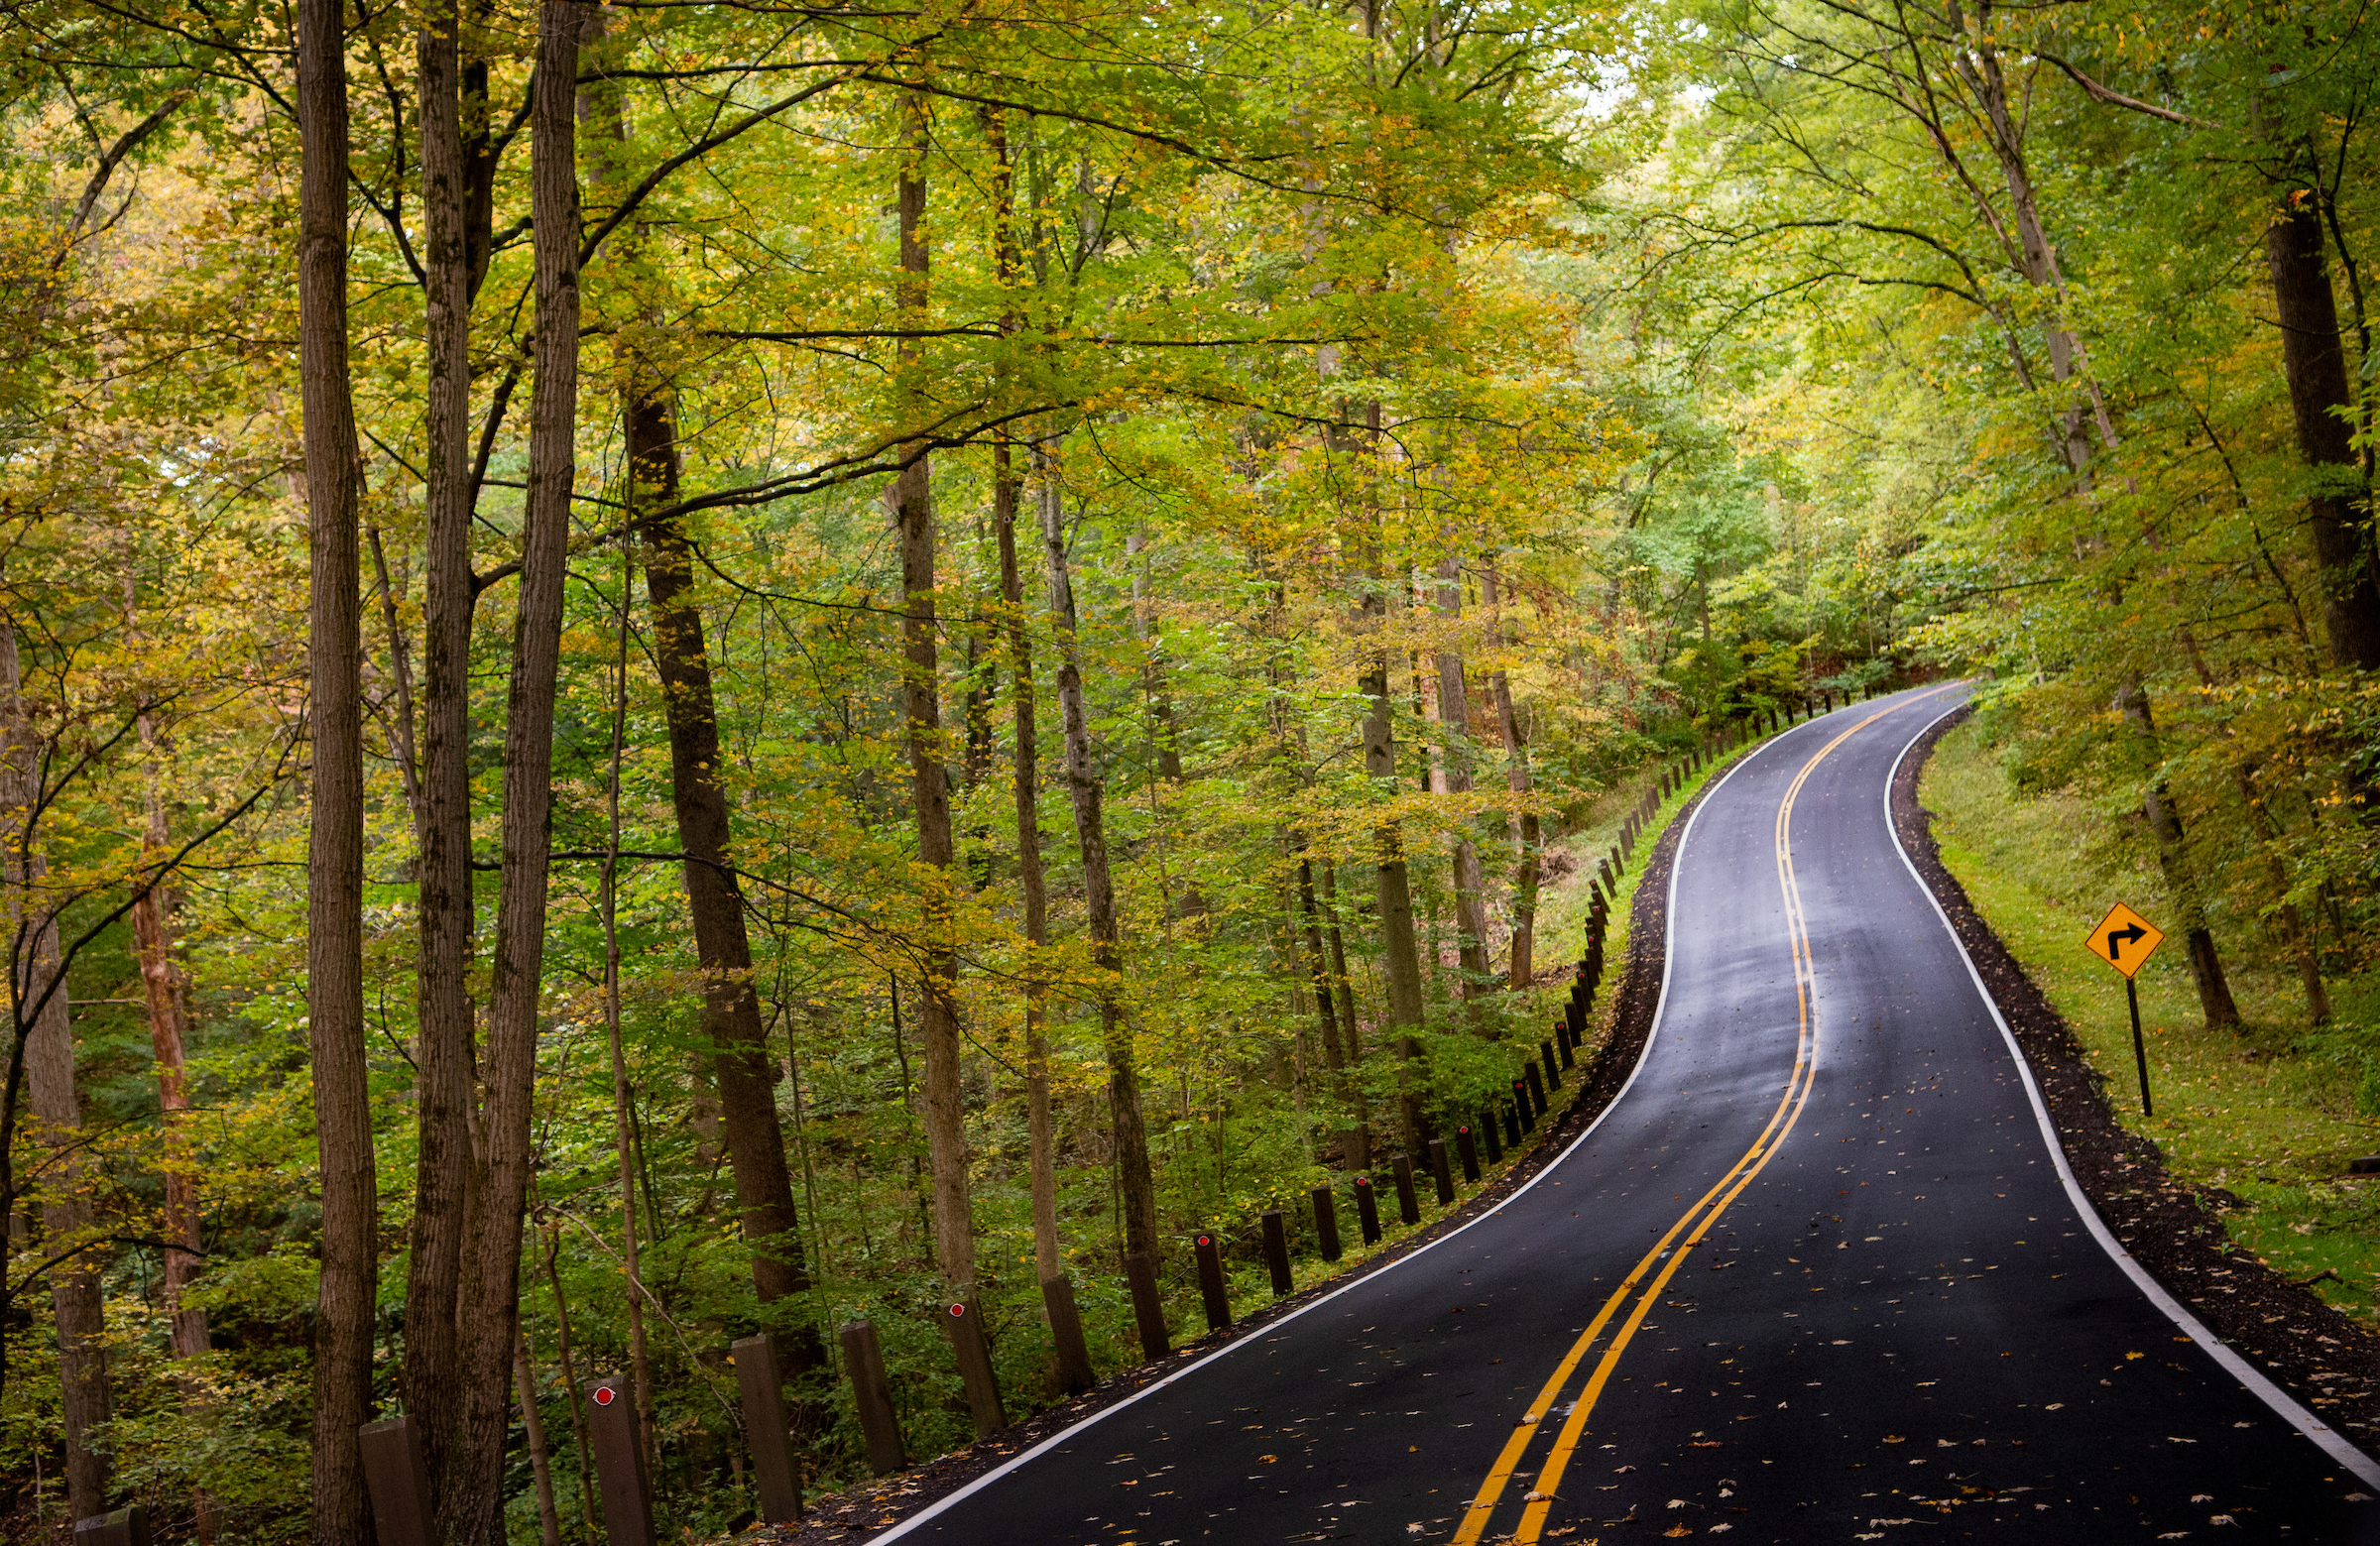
[(2264, 1112)]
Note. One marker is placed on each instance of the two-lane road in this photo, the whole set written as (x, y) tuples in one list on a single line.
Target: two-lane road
[(1818, 1274)]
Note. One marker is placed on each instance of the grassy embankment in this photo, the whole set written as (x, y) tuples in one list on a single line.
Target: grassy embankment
[(2268, 1113)]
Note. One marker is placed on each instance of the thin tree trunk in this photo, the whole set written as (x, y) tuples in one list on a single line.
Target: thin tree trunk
[(1400, 950), (169, 1011), (1031, 881), (490, 1291), (1031, 878), (1343, 985), (1527, 837), (1354, 1150), (2173, 856), (730, 1005), (1454, 713), (349, 1277), (2314, 360), (443, 1036), (1085, 787), (44, 1040), (540, 1464), (910, 497), (624, 1148), (561, 1354)]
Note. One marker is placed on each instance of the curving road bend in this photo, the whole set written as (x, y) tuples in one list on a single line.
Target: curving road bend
[(1818, 1274)]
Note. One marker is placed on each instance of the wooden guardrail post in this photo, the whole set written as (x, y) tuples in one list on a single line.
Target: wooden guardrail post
[(775, 1474), (1439, 1172), (619, 1451), (872, 1394), (127, 1526), (398, 1480), (1210, 1281), (1277, 1250)]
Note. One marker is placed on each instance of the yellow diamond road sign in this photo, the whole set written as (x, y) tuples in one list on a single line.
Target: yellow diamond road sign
[(2124, 939)]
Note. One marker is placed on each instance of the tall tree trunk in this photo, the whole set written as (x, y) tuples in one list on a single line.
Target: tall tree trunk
[(1343, 985), (1527, 839), (1454, 712), (169, 1012), (334, 968), (1354, 1149), (1087, 790), (639, 1356), (2315, 363), (911, 499), (532, 1423), (444, 1051), (1031, 877), (2173, 856), (730, 1007), (490, 1295), (1400, 950), (44, 1038)]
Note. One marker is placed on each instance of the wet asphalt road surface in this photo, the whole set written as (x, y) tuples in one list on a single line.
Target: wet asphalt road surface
[(1815, 1277)]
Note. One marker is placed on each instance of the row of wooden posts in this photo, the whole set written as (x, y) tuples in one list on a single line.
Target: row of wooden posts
[(392, 1449)]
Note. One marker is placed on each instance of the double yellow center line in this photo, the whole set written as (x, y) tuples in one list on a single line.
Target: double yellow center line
[(1652, 1273)]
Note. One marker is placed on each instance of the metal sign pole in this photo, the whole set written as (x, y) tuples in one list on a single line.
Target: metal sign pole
[(2140, 1053)]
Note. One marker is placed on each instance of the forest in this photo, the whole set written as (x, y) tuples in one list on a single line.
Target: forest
[(675, 668)]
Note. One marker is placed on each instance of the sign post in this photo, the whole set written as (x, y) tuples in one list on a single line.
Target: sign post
[(2124, 940)]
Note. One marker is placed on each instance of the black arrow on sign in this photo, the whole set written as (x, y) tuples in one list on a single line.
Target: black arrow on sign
[(2128, 931)]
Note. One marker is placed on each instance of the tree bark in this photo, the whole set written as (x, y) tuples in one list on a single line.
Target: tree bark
[(344, 1299), (169, 1015), (1353, 1148), (1032, 875), (443, 1032), (1400, 949), (1086, 790), (2173, 856), (1527, 837), (910, 498), (1454, 713), (730, 1005), (490, 1294), (44, 1038), (741, 1067), (1031, 878), (2314, 360), (532, 1423)]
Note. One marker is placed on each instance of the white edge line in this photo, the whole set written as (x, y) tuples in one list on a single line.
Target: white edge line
[(1668, 960), (2284, 1405)]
